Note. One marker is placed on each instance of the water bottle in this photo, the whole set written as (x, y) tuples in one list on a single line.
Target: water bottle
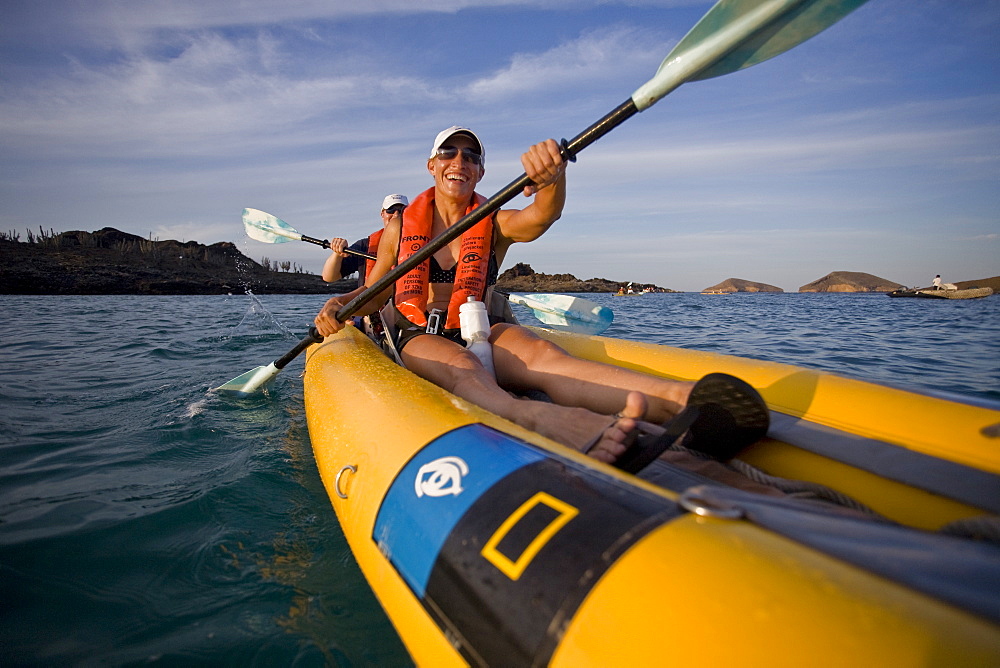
[(476, 331)]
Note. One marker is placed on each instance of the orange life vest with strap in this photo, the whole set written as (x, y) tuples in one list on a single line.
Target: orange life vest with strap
[(471, 271), (373, 241)]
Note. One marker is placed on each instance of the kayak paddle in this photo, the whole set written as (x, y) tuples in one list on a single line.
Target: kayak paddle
[(254, 379), (567, 313), (733, 35), (262, 226)]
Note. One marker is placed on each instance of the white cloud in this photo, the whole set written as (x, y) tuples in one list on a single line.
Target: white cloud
[(212, 94), (211, 98), (596, 55), (133, 24)]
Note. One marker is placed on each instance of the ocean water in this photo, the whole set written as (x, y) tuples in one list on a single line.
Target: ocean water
[(144, 519)]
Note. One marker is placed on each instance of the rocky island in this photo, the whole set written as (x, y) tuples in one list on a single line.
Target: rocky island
[(110, 261), (522, 278), (850, 281), (740, 285)]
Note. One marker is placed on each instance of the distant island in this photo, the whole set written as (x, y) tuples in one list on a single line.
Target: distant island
[(110, 261), (741, 285), (841, 282), (854, 281), (837, 281), (522, 278), (850, 281)]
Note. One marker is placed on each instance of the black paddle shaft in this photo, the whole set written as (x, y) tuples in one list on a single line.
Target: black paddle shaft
[(326, 244), (310, 338), (569, 149)]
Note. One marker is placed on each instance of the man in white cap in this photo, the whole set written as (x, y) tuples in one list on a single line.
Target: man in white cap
[(595, 406), (341, 264)]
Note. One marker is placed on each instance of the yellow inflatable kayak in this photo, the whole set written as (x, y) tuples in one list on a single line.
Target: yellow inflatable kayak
[(488, 544)]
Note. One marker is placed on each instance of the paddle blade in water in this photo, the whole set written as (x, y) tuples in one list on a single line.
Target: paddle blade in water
[(249, 382), (262, 226), (736, 34), (567, 313)]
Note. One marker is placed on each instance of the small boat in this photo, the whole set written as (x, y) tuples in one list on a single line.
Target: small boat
[(714, 292), (488, 544), (939, 293)]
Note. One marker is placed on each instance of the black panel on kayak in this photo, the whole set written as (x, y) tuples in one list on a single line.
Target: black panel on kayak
[(504, 621)]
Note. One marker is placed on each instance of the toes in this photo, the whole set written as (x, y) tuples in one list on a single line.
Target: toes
[(612, 443), (636, 405), (607, 451)]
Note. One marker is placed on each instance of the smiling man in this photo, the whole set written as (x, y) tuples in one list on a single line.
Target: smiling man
[(595, 406)]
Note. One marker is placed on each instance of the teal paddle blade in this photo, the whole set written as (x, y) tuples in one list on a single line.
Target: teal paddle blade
[(736, 34), (567, 313), (249, 382), (262, 226), (798, 24)]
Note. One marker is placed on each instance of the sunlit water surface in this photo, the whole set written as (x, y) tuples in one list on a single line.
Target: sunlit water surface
[(145, 519)]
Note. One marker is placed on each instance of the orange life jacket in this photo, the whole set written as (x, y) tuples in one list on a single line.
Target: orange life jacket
[(470, 275), (373, 241)]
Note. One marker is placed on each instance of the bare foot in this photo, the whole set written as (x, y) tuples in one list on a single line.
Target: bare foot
[(612, 444), (576, 427)]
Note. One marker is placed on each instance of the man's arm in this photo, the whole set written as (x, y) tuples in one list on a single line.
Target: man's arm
[(544, 165), (326, 320), (332, 267), (341, 264)]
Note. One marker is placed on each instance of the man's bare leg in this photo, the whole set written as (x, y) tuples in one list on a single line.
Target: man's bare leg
[(525, 361), (454, 368)]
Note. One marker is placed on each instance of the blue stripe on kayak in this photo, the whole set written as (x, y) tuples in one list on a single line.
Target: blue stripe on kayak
[(435, 489)]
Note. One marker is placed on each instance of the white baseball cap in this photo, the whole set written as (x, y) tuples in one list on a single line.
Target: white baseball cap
[(392, 200), (445, 135)]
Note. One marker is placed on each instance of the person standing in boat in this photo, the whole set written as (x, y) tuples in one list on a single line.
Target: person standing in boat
[(937, 283), (341, 264), (596, 407)]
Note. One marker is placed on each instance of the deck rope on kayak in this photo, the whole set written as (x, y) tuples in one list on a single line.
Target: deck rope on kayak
[(797, 488), (804, 488)]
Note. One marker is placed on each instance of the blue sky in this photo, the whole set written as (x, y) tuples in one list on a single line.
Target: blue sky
[(873, 147)]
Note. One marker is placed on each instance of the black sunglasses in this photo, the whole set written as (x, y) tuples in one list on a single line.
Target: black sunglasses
[(395, 208), (449, 152)]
